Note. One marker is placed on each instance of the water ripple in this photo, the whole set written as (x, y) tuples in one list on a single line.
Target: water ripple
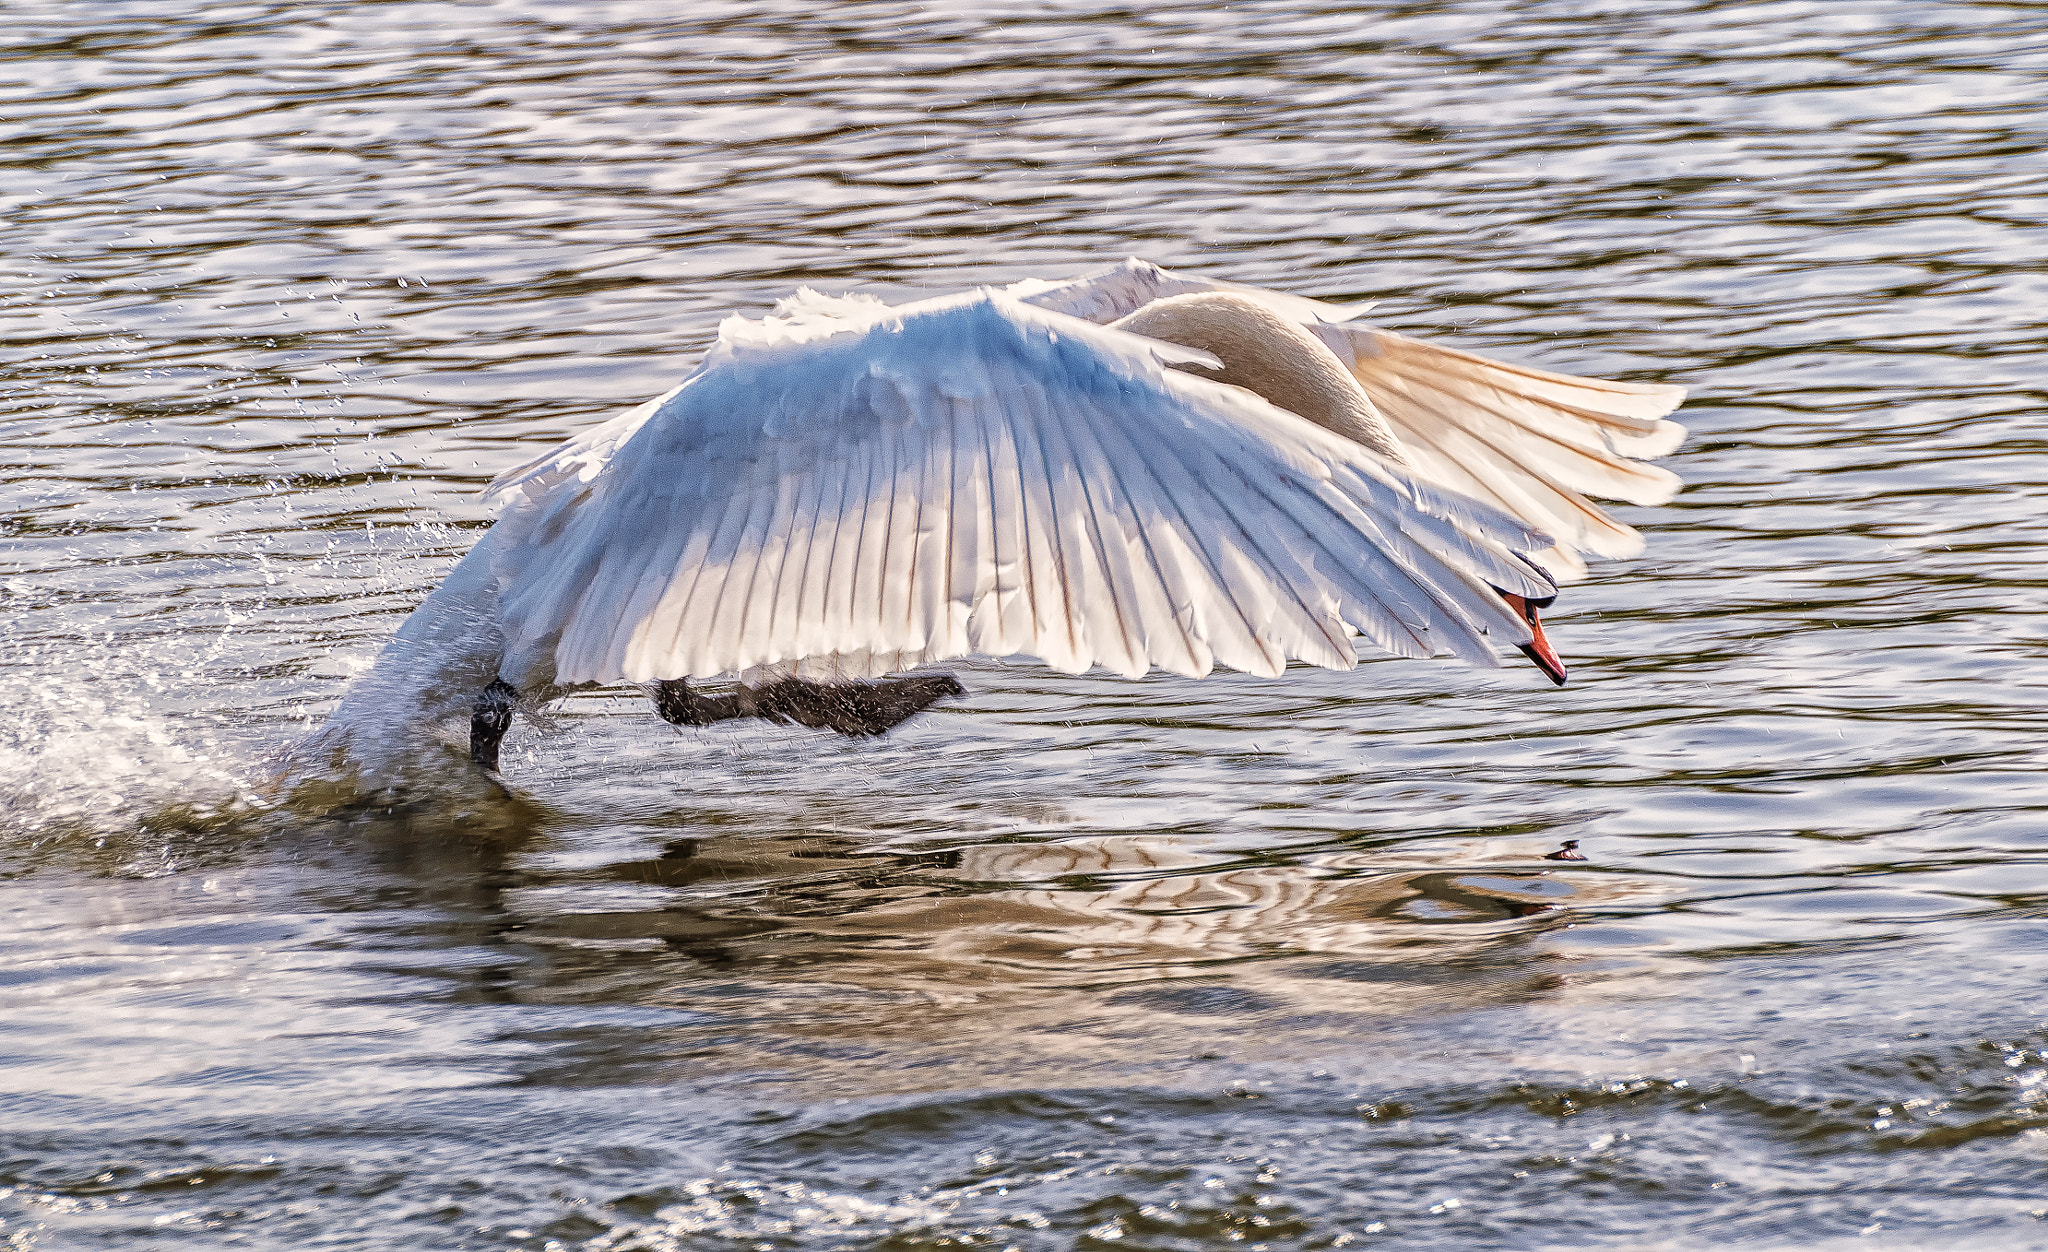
[(1074, 962)]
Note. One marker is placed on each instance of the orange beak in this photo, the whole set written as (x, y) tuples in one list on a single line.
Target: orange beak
[(1538, 648)]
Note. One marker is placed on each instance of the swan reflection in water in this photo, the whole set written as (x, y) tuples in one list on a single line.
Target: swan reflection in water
[(1151, 922), (798, 956)]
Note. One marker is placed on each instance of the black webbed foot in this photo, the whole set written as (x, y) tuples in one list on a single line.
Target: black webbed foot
[(850, 708), (853, 708), (489, 721)]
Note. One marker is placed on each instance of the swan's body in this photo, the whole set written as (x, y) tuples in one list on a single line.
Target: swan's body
[(1278, 360), (1128, 470)]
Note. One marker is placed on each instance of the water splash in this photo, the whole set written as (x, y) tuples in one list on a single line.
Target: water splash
[(92, 750)]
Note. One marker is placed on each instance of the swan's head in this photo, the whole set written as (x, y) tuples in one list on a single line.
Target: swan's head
[(1538, 648)]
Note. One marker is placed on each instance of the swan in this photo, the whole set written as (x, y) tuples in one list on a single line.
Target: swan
[(1132, 469)]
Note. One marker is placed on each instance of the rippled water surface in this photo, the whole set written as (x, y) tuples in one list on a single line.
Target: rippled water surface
[(1072, 963)]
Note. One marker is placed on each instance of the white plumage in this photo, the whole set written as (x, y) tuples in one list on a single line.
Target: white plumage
[(845, 489)]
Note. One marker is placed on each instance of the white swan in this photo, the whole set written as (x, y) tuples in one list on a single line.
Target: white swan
[(1132, 469)]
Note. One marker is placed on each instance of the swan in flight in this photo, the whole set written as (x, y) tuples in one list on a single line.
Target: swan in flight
[(1132, 469)]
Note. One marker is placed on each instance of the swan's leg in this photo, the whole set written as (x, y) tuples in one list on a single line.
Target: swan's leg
[(680, 706), (489, 721), (853, 708)]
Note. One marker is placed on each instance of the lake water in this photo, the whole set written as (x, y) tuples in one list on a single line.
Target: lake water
[(1072, 962)]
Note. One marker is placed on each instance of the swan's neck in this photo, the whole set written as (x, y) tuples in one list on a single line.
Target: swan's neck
[(1270, 356), (423, 683)]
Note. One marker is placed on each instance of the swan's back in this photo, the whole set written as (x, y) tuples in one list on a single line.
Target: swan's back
[(1269, 356)]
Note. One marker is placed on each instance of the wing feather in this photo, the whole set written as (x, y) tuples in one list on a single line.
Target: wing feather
[(764, 588), (1004, 614), (1533, 443), (726, 633), (1107, 594), (1250, 549), (1204, 601), (1366, 589), (791, 581), (815, 617), (853, 635), (684, 613), (872, 601), (1156, 620), (970, 551), (1095, 535), (922, 565), (1039, 616)]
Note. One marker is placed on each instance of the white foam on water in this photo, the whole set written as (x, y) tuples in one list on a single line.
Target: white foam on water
[(733, 1208), (169, 720), (90, 744)]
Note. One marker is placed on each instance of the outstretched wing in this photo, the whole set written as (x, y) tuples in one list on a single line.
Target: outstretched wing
[(857, 494), (1532, 443)]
